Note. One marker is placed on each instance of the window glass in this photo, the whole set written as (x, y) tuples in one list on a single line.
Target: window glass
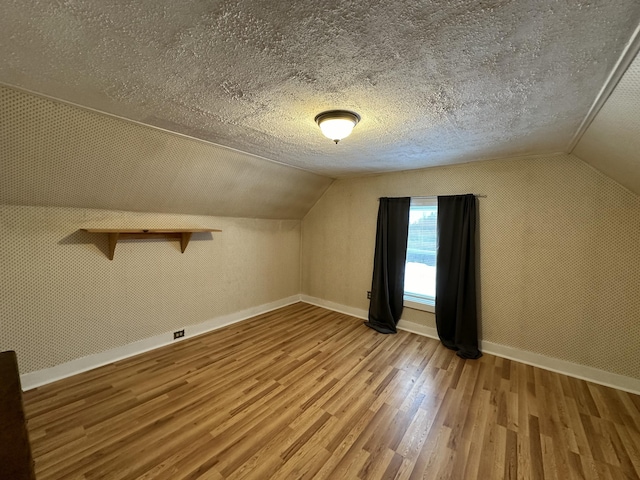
[(420, 271)]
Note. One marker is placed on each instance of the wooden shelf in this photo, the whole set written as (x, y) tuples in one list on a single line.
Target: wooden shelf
[(116, 234)]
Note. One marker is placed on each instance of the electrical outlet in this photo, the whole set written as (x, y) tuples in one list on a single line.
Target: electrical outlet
[(369, 295), (178, 334)]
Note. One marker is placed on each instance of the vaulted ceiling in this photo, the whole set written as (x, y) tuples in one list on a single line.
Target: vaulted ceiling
[(612, 142), (435, 82)]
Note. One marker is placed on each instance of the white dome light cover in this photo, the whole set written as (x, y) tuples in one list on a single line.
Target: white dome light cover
[(337, 124)]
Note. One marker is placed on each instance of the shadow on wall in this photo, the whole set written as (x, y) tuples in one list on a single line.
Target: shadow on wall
[(478, 276), (101, 240)]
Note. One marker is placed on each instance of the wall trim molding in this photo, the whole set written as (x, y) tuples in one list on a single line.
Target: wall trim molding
[(583, 372), (336, 307), (104, 113), (619, 69), (58, 372)]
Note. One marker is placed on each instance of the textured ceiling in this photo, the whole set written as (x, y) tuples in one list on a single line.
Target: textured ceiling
[(435, 82), (612, 142), (54, 154)]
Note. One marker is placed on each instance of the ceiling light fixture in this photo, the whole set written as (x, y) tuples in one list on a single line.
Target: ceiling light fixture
[(337, 124)]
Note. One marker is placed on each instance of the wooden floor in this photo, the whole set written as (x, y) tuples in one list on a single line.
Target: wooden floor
[(303, 392)]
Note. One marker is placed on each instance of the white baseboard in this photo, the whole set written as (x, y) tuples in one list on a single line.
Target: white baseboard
[(583, 372), (42, 377), (423, 330), (336, 307)]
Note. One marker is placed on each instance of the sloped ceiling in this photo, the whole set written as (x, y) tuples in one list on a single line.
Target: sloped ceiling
[(612, 142), (54, 154), (435, 82)]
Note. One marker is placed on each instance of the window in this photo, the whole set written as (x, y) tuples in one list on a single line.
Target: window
[(420, 270)]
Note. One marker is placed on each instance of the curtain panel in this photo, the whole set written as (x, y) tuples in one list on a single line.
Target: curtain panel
[(456, 302), (387, 286)]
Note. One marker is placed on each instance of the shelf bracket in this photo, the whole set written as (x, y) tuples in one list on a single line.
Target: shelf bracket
[(113, 241), (184, 240)]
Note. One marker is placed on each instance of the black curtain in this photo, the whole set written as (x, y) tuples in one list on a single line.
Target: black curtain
[(387, 286), (456, 314)]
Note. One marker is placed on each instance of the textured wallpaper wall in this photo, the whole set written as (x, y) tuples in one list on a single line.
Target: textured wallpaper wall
[(61, 298), (57, 155), (560, 253)]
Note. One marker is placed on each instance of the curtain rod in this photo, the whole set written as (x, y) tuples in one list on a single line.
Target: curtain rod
[(477, 195), (474, 194)]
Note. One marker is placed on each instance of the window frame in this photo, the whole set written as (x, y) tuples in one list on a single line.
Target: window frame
[(411, 300)]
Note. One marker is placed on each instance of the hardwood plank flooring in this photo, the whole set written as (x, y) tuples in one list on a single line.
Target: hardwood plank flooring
[(304, 392)]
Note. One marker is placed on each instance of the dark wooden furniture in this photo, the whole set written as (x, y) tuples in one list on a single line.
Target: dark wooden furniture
[(16, 462)]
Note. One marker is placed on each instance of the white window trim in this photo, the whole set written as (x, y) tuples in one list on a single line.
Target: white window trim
[(418, 302), (424, 201), (425, 307)]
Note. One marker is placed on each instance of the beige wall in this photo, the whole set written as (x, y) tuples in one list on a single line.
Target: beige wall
[(560, 253), (61, 298), (57, 155)]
